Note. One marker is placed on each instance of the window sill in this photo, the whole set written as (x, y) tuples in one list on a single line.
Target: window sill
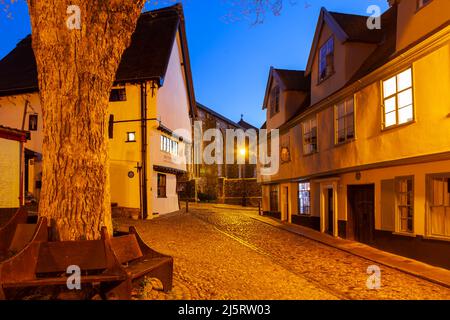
[(320, 81), (345, 142), (398, 126)]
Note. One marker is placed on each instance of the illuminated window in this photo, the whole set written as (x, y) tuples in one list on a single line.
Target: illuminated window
[(398, 99), (131, 136), (422, 3), (326, 60), (304, 198), (345, 121), (275, 101), (162, 185), (405, 204), (119, 94), (169, 146), (310, 136), (439, 224)]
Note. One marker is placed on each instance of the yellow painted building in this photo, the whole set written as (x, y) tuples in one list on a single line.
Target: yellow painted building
[(11, 169), (369, 140), (151, 107)]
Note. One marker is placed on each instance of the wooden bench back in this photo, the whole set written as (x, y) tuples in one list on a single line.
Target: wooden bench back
[(126, 248), (58, 256), (23, 235)]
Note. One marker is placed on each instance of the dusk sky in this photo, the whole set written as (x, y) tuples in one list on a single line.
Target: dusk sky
[(231, 59)]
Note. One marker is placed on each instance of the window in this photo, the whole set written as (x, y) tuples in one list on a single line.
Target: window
[(440, 207), (169, 146), (304, 198), (398, 99), (162, 185), (33, 122), (326, 60), (405, 204), (274, 198), (345, 121), (119, 94), (422, 3), (131, 137), (310, 136), (275, 101)]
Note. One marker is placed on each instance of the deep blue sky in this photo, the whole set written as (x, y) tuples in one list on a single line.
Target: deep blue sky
[(230, 59)]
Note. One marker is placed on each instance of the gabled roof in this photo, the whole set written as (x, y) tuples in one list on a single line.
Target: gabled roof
[(216, 114), (346, 27), (245, 125), (146, 58), (289, 80)]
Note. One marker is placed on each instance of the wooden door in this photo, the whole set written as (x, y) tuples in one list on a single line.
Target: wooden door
[(361, 207)]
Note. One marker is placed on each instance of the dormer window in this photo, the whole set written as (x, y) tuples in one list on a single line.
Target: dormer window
[(275, 101), (326, 60)]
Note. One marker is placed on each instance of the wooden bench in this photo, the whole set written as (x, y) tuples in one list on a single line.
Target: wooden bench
[(43, 264), (17, 233), (109, 265), (139, 260)]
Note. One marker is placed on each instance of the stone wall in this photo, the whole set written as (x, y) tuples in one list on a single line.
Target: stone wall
[(245, 192)]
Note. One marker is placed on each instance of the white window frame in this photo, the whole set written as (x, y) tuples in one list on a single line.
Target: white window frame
[(385, 98), (169, 146), (344, 118), (309, 134), (327, 45), (399, 204), (431, 204)]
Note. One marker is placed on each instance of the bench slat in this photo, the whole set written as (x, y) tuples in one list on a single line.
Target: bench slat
[(126, 248), (58, 256), (63, 281)]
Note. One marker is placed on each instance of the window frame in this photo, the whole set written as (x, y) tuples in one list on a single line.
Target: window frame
[(161, 177), (429, 205), (319, 79), (128, 137), (275, 93), (396, 94), (304, 134), (308, 191), (398, 218), (336, 121), (169, 146), (121, 96), (34, 116)]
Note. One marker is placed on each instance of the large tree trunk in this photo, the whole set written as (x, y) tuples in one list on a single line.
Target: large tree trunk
[(76, 70)]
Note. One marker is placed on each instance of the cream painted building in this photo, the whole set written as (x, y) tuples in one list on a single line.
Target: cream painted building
[(366, 145), (151, 107)]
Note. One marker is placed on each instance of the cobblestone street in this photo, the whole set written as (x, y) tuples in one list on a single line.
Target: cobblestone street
[(225, 254)]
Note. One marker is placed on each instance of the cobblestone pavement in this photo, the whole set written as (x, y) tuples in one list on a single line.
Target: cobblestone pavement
[(225, 254)]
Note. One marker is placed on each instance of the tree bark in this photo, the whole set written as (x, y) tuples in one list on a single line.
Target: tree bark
[(76, 71)]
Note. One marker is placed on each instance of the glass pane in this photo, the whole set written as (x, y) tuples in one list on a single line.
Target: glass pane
[(405, 114), (390, 119), (350, 105), (405, 98), (404, 80), (341, 124), (389, 104), (340, 110), (390, 87)]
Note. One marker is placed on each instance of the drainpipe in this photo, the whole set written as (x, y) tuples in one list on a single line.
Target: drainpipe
[(144, 147)]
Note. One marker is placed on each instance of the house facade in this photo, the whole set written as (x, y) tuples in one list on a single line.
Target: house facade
[(151, 108), (12, 167), (223, 182), (368, 141)]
